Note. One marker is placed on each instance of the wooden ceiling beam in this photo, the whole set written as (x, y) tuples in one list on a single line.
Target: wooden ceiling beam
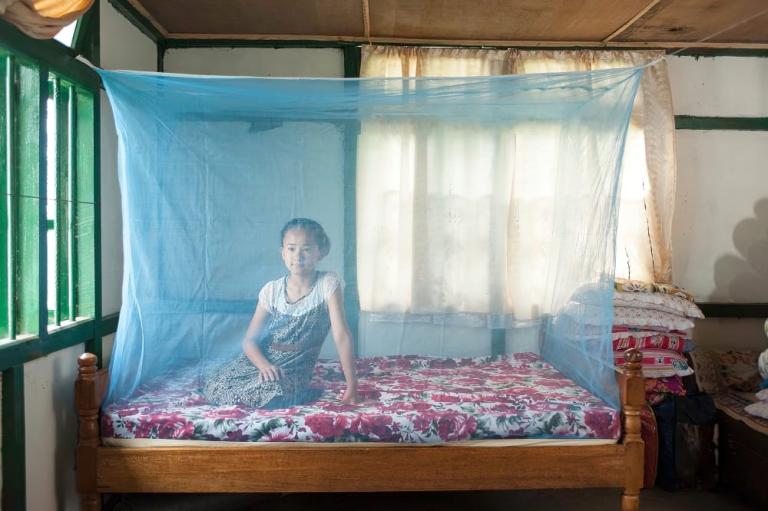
[(468, 42), (632, 20), (366, 19), (731, 27), (136, 4)]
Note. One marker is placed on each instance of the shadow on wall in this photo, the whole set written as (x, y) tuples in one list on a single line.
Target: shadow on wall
[(744, 277)]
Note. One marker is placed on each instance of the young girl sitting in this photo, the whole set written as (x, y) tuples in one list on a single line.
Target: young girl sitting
[(284, 337)]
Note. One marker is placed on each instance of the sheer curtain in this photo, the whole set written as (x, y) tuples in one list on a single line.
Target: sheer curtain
[(480, 251)]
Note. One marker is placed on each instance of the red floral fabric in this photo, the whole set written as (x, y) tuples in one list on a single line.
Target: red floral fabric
[(408, 399), (659, 363), (660, 341), (658, 389)]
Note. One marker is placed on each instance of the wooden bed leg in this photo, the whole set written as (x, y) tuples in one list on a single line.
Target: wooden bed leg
[(91, 502), (633, 401), (88, 402), (630, 502)]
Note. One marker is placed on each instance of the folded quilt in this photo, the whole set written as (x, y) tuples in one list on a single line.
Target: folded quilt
[(658, 389), (656, 341), (642, 317), (658, 301), (660, 363), (638, 286)]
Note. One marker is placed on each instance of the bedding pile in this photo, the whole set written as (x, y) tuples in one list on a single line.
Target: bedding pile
[(734, 379), (656, 319), (760, 407)]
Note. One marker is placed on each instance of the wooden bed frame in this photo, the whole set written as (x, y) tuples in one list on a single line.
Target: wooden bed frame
[(297, 467)]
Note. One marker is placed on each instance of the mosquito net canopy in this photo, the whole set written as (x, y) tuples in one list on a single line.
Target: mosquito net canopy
[(446, 221)]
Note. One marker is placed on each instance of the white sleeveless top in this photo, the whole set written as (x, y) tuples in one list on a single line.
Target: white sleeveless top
[(274, 298)]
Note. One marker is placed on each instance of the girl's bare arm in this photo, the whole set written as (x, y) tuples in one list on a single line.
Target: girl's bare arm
[(251, 349), (343, 339)]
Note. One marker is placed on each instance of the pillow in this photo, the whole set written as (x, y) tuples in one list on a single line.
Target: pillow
[(707, 369), (659, 363), (639, 317), (638, 286), (669, 289), (762, 362), (658, 301), (619, 331), (633, 286), (759, 409), (657, 341), (738, 370)]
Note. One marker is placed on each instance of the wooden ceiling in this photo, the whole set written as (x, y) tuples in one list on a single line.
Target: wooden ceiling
[(615, 23)]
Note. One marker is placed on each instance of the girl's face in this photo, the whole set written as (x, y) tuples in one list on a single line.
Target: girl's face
[(300, 252)]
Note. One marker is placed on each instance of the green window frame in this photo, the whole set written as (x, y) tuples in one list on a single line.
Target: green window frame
[(50, 243), (48, 214), (47, 273)]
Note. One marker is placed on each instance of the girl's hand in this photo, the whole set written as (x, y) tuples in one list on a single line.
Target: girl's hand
[(350, 397), (269, 373)]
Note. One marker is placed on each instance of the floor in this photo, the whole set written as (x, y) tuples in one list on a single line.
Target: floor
[(560, 500)]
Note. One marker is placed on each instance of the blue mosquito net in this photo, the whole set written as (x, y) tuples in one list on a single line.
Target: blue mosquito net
[(450, 219)]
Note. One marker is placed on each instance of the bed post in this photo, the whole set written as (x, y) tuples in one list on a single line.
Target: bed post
[(88, 399), (633, 396)]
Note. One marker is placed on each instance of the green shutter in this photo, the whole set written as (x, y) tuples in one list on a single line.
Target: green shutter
[(6, 110), (84, 213), (25, 188), (61, 97)]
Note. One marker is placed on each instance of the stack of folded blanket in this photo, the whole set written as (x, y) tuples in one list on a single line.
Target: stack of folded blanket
[(656, 319), (760, 408)]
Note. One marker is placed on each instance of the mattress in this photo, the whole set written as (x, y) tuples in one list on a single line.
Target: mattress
[(408, 399), (137, 443)]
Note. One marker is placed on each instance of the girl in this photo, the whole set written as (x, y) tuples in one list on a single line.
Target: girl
[(284, 337)]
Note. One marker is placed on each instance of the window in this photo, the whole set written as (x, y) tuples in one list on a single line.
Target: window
[(67, 34), (47, 236), (483, 244), (49, 258), (397, 275)]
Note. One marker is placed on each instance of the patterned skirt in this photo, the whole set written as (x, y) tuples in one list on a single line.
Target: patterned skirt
[(239, 382)]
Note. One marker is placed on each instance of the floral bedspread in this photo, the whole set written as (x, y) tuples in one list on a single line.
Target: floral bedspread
[(408, 399)]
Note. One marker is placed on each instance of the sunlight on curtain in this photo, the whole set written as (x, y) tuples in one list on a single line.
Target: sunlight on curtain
[(438, 224), (480, 222), (644, 249)]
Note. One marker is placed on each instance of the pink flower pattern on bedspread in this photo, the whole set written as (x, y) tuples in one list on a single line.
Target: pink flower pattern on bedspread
[(408, 399)]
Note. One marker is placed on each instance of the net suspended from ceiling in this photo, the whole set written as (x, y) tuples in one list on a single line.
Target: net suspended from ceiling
[(447, 221)]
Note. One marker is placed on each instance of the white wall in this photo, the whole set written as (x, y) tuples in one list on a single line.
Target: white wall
[(50, 417), (123, 46), (719, 86), (721, 224), (720, 228), (51, 430), (314, 62)]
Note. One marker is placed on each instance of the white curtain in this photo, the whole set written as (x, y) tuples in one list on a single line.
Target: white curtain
[(455, 235)]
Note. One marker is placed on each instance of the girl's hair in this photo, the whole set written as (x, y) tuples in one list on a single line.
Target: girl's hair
[(312, 227)]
